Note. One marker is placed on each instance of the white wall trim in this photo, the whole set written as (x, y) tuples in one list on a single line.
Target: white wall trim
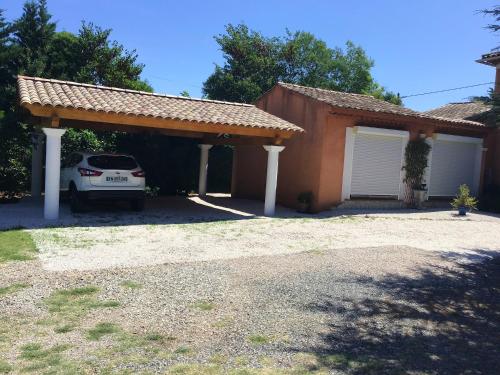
[(348, 157), (457, 138), (380, 131), (477, 169)]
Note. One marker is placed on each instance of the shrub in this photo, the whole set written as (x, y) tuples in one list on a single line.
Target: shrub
[(464, 199)]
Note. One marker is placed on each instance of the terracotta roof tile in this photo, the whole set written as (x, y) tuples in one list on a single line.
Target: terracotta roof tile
[(369, 103), (55, 93), (463, 111)]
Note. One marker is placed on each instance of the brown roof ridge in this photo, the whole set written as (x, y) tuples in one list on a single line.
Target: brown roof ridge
[(332, 90), (381, 106), (138, 92)]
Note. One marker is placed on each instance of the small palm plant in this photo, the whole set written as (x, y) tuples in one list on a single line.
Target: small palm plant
[(463, 200)]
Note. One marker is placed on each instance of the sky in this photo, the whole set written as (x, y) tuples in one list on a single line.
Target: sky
[(417, 46)]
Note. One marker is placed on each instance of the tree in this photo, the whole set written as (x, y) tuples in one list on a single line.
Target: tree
[(251, 67), (31, 45), (495, 12), (254, 63), (33, 32)]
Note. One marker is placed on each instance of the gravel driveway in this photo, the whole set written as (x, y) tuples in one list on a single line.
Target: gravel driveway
[(228, 291), (358, 311), (180, 230)]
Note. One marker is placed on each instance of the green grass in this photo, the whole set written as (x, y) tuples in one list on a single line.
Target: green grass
[(153, 337), (47, 361), (16, 245), (64, 328), (101, 330), (5, 368), (74, 303), (12, 288), (182, 350), (204, 305), (258, 339), (131, 284)]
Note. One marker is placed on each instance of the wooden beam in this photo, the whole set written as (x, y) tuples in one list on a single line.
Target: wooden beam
[(154, 122), (100, 126), (238, 141), (54, 122)]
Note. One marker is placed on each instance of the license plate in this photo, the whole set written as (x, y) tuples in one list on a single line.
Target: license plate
[(117, 179)]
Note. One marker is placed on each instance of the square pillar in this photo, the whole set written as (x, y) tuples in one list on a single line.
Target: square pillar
[(202, 180), (36, 164), (52, 172), (271, 178)]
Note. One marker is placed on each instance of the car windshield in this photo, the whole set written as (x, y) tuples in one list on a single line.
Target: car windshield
[(112, 162)]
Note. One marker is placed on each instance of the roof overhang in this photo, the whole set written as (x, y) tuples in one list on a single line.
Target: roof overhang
[(81, 118), (492, 59)]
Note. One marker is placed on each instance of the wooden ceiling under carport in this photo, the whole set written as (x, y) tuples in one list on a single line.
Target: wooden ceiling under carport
[(69, 104)]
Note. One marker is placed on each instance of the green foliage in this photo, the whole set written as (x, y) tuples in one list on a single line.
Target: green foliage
[(416, 160), (16, 245), (101, 330), (30, 45), (71, 304), (254, 63), (12, 288), (464, 199)]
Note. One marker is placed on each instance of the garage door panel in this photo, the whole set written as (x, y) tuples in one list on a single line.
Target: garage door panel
[(376, 168), (453, 164)]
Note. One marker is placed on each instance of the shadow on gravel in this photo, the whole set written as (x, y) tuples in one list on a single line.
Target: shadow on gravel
[(444, 321)]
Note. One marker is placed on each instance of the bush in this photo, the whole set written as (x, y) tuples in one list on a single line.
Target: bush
[(464, 199)]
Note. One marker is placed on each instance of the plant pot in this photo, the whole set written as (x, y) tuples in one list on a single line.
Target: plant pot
[(303, 207), (462, 211), (420, 197)]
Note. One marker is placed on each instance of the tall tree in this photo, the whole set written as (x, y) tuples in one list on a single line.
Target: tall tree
[(254, 63), (251, 65), (33, 32)]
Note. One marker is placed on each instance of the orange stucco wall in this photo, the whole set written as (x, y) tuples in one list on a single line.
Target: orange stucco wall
[(314, 161)]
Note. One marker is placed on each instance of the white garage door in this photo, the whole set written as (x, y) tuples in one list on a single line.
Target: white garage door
[(453, 163), (376, 165)]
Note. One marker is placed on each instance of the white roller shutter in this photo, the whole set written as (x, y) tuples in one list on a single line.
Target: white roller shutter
[(376, 165), (453, 163)]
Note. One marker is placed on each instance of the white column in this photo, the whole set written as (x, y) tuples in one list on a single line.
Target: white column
[(202, 181), (36, 164), (271, 178), (348, 157), (52, 172), (477, 168)]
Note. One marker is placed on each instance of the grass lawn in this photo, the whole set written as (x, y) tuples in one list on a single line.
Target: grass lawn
[(16, 245)]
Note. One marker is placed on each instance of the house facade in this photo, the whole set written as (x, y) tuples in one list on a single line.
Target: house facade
[(353, 147)]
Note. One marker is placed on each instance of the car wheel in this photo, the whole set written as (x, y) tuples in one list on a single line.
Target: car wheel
[(137, 204), (75, 201)]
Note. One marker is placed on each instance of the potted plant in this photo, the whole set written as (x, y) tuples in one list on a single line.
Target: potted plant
[(304, 199), (416, 160), (463, 201)]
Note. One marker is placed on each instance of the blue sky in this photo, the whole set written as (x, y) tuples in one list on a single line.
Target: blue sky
[(418, 46)]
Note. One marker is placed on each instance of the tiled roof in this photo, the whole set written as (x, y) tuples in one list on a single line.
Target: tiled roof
[(368, 103), (72, 95), (474, 111)]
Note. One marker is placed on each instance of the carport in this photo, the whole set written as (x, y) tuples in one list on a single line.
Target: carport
[(55, 105)]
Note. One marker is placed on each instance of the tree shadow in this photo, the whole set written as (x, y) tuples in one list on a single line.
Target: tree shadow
[(445, 320)]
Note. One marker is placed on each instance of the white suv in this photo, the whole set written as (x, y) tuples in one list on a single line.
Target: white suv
[(92, 176)]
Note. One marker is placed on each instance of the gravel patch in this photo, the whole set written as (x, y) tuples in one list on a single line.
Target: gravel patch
[(337, 309), (108, 243)]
